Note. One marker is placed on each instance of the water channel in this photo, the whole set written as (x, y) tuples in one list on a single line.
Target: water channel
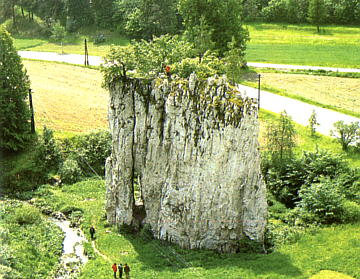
[(73, 256)]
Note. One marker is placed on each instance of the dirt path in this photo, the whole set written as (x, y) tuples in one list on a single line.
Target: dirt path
[(99, 253)]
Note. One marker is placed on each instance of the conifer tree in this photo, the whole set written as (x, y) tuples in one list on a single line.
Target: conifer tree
[(14, 87)]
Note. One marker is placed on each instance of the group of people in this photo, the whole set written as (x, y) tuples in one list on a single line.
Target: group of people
[(121, 268), (115, 267)]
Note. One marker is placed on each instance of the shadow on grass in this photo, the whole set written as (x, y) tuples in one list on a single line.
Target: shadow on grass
[(161, 256)]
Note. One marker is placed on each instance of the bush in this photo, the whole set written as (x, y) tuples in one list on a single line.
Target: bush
[(323, 200), (58, 32), (48, 155), (285, 178), (89, 151), (69, 209), (70, 171), (26, 214), (351, 212), (99, 38)]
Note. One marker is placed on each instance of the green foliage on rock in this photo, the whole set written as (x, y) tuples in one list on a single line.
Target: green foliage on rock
[(14, 87)]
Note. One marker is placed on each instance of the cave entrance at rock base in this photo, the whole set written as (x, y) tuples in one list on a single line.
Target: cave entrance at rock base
[(139, 211)]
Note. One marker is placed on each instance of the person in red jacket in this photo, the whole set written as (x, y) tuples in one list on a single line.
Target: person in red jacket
[(114, 268)]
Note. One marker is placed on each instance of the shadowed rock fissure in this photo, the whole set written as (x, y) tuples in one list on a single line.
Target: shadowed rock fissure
[(192, 146)]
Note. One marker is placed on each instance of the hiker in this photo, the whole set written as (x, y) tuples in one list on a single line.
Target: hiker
[(120, 268), (92, 232), (127, 271), (114, 268)]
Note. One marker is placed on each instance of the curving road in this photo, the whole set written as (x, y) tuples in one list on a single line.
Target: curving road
[(299, 111)]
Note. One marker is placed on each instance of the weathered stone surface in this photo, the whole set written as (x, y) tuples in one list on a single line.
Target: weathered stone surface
[(194, 146)]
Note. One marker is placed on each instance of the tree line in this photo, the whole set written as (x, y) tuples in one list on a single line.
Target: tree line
[(301, 11), (142, 19)]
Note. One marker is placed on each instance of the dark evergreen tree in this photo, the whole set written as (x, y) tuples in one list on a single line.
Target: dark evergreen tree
[(14, 87)]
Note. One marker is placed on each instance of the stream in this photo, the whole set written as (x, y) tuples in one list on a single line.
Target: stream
[(73, 256)]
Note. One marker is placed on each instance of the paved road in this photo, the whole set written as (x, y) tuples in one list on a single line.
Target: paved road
[(299, 111), (67, 58), (300, 67), (96, 61)]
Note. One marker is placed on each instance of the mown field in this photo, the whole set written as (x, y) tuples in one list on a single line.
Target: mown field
[(67, 98), (338, 46), (337, 93)]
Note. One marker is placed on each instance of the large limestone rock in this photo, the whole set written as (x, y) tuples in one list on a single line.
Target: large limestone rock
[(193, 146)]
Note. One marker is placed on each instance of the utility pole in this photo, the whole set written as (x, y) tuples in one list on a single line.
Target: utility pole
[(86, 54), (259, 78), (32, 113)]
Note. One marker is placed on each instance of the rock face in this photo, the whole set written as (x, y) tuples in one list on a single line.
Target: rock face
[(193, 147)]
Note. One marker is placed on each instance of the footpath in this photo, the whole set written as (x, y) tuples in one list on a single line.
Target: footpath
[(299, 111)]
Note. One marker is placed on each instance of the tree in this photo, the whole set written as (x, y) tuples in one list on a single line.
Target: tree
[(222, 18), (346, 133), (313, 123), (317, 13), (14, 87), (143, 19), (280, 138), (79, 14)]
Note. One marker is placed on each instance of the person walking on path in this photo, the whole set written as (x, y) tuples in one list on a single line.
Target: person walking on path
[(120, 269), (92, 232), (127, 271), (114, 268)]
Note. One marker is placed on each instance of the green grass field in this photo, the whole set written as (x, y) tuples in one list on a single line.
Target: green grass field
[(338, 46), (331, 248)]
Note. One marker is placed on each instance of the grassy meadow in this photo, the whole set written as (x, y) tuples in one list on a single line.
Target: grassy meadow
[(331, 248), (337, 46)]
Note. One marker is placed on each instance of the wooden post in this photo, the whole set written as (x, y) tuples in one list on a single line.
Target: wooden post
[(32, 113), (86, 54), (259, 76)]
